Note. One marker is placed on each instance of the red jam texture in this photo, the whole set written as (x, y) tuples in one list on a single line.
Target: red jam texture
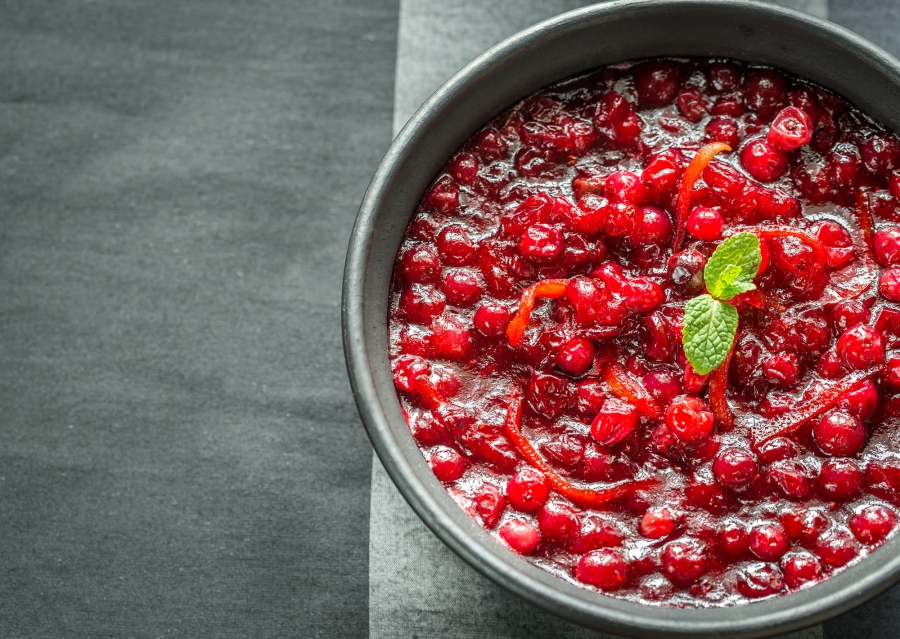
[(536, 319)]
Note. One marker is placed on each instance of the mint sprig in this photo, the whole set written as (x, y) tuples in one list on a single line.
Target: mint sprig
[(710, 322)]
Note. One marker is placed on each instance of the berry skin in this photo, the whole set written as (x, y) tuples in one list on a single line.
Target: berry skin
[(837, 547), (624, 186), (528, 490), (558, 521), (801, 568), (733, 538), (759, 580), (605, 568), (839, 433), (684, 560), (872, 524), (541, 243), (691, 105), (490, 504), (490, 145), (464, 168), (624, 219), (451, 338), (887, 246), (614, 422), (763, 161), (455, 246), (656, 227), (889, 284), (657, 523), (782, 369), (848, 314), (420, 265), (422, 303), (768, 542), (444, 196), (657, 83), (735, 467), (840, 479), (860, 347), (723, 129), (521, 536), (690, 419), (790, 478), (492, 319), (765, 92), (705, 223), (880, 154), (791, 129), (447, 464), (461, 286), (576, 356)]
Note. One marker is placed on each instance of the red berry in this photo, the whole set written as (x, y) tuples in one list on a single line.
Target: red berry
[(490, 504), (837, 547), (447, 464), (521, 536), (862, 402), (422, 303), (614, 422), (595, 532), (889, 284), (624, 219), (765, 92), (728, 105), (420, 265), (733, 538), (691, 105), (657, 523), (593, 302), (723, 129), (804, 525), (657, 83), (464, 168), (724, 76), (840, 479), (790, 478), (684, 560), (880, 154), (541, 243), (451, 338), (839, 433), (606, 569), (705, 223), (894, 184), (455, 246), (491, 319), (782, 370), (848, 314), (791, 129), (548, 394), (801, 568), (759, 580), (584, 183), (558, 521), (777, 449), (768, 542), (624, 186), (576, 356), (528, 490), (887, 246), (661, 174), (663, 386), (444, 196), (590, 214), (690, 419), (490, 145), (892, 374), (462, 287), (872, 524), (642, 294), (763, 161), (735, 467), (655, 228), (860, 347), (589, 396)]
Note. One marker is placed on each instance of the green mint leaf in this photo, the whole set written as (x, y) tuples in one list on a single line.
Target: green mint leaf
[(732, 267), (709, 329)]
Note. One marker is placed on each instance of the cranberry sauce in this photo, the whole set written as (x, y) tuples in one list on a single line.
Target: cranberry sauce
[(580, 436)]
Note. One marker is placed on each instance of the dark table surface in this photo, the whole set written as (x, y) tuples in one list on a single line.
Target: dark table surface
[(180, 453)]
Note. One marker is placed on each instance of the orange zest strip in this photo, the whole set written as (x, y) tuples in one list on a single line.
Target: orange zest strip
[(584, 497), (691, 174), (626, 387), (718, 385), (547, 289)]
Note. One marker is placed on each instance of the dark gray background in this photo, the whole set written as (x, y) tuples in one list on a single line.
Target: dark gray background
[(179, 452)]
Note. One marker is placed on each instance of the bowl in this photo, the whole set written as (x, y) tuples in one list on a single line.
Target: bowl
[(550, 51)]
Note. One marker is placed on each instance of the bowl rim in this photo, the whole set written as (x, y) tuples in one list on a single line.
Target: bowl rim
[(785, 613)]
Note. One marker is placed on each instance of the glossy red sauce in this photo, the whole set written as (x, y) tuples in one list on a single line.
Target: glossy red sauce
[(588, 444)]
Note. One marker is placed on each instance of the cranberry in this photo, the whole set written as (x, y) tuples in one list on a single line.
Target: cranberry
[(606, 569), (623, 219), (839, 433), (656, 227), (642, 294), (733, 538), (705, 223), (657, 523), (759, 580), (594, 303), (662, 386), (595, 532), (768, 542), (830, 365), (490, 145), (765, 92), (624, 186), (724, 76), (447, 464), (422, 303), (464, 168), (801, 568), (691, 105), (872, 524), (862, 402), (843, 172), (491, 319), (836, 548), (521, 536), (840, 478), (889, 284), (880, 154), (444, 196), (791, 129), (528, 490), (777, 449), (451, 338), (490, 504), (541, 243), (657, 83), (887, 246), (590, 214), (576, 356), (892, 374), (690, 419), (848, 314), (790, 478), (558, 521), (735, 467), (728, 105), (420, 265), (763, 161), (548, 394), (860, 347), (837, 242), (461, 287), (455, 246), (782, 369), (617, 120), (589, 396), (684, 560), (585, 183), (723, 129), (661, 174), (803, 525), (685, 270), (614, 422)]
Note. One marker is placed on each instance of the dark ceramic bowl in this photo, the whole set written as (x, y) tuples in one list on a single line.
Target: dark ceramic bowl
[(569, 44)]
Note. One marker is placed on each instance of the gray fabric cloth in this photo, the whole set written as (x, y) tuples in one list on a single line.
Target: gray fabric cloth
[(181, 455)]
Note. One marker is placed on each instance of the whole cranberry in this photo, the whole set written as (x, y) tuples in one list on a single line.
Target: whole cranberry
[(464, 168), (837, 243), (450, 336), (447, 464), (614, 422), (661, 174), (624, 186), (605, 568), (541, 243), (765, 92), (733, 538), (663, 386), (803, 525), (887, 246), (837, 547), (840, 478), (684, 560), (623, 219), (528, 490), (491, 319), (728, 105), (860, 347), (444, 196), (791, 129), (420, 265), (655, 228), (839, 433), (690, 419), (723, 129), (777, 449), (889, 284), (705, 223), (691, 105), (763, 161), (768, 542), (848, 314), (862, 402), (873, 523), (685, 270), (422, 303), (892, 374), (782, 370), (657, 83), (657, 522), (455, 246), (880, 154), (801, 568), (548, 394), (490, 145), (724, 76), (490, 504), (759, 580), (735, 467), (462, 287), (576, 356), (589, 396), (642, 294), (790, 478), (558, 521), (595, 532), (521, 536)]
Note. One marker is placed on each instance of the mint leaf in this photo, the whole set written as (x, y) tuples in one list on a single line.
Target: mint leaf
[(709, 330), (732, 267)]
